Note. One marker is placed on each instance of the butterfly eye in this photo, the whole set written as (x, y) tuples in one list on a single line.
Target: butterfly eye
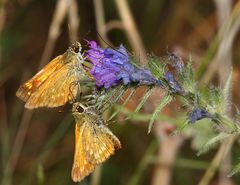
[(80, 109), (76, 49)]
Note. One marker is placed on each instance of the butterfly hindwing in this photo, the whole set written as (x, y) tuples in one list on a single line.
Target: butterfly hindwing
[(99, 143), (81, 166), (95, 143)]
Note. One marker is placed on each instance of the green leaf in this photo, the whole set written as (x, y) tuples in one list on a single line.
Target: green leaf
[(187, 79), (226, 91), (144, 99), (235, 170), (157, 67), (201, 132), (181, 127), (166, 100), (212, 143), (124, 103), (216, 100), (108, 98)]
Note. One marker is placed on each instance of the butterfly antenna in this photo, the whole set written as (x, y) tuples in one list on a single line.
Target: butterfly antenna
[(85, 35), (99, 35), (109, 45)]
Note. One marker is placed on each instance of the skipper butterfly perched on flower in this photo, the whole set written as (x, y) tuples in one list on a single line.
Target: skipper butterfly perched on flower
[(94, 142), (57, 83)]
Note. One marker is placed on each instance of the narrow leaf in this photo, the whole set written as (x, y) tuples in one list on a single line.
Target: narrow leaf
[(144, 99), (212, 143), (227, 86), (181, 127), (156, 67), (166, 100), (235, 170), (124, 103), (227, 90)]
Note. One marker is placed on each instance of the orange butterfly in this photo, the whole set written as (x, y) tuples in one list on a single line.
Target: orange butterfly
[(94, 142), (57, 83)]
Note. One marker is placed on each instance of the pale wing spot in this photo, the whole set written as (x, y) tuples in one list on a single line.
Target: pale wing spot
[(96, 155), (29, 85)]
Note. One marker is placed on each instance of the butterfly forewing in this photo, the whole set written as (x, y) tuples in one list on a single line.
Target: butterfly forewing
[(55, 92), (54, 85), (102, 143), (27, 89)]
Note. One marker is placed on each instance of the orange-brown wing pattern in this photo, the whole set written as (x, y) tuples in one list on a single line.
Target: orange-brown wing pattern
[(95, 143), (28, 88), (81, 166), (54, 85), (99, 142), (57, 90)]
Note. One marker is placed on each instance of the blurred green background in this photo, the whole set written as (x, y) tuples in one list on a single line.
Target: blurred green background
[(37, 147)]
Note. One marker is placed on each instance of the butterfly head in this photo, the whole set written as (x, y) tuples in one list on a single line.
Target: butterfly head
[(81, 111), (75, 47), (78, 108)]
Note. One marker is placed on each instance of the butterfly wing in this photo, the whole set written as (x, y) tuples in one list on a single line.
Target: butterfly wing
[(81, 166), (54, 85), (94, 144), (56, 91), (27, 89), (99, 143)]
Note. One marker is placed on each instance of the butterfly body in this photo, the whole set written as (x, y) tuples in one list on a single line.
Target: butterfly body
[(94, 142), (57, 82)]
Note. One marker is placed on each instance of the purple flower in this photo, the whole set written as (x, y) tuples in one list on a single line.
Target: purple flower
[(111, 67), (173, 84), (176, 62), (198, 114)]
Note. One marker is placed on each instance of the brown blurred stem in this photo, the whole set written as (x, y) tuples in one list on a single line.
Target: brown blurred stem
[(224, 56), (220, 155), (114, 24), (100, 22), (60, 14), (73, 21), (167, 151), (227, 33)]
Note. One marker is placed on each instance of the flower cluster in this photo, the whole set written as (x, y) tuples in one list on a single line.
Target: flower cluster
[(198, 114), (111, 67)]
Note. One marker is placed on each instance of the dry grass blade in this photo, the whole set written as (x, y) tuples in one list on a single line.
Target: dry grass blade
[(131, 30), (73, 21), (60, 14), (227, 33), (100, 21)]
